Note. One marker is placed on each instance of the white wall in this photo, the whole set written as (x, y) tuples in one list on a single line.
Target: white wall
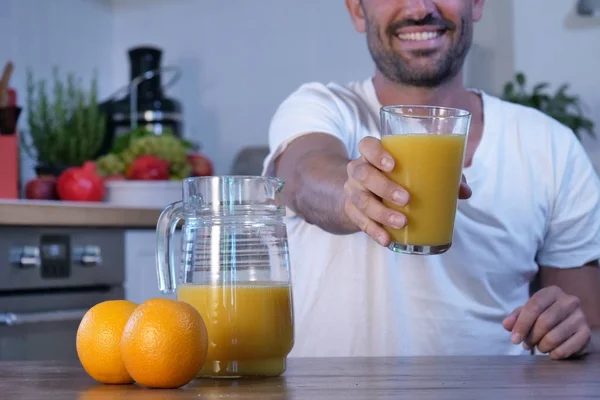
[(490, 62), (558, 46), (74, 35), (240, 58)]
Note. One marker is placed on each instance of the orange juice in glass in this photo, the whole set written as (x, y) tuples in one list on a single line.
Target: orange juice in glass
[(428, 146)]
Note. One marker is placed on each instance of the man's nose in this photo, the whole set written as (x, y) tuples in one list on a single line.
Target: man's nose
[(418, 9)]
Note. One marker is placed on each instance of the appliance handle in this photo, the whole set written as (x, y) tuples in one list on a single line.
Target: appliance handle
[(11, 319)]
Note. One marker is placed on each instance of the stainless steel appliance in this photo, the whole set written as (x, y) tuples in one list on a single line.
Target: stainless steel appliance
[(49, 278), (143, 101)]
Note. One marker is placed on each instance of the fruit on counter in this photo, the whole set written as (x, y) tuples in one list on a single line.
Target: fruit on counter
[(161, 343), (148, 168), (140, 142), (164, 344), (41, 188), (110, 165), (98, 341), (81, 184), (201, 165), (166, 147)]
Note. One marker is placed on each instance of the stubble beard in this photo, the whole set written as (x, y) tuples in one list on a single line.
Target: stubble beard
[(395, 68)]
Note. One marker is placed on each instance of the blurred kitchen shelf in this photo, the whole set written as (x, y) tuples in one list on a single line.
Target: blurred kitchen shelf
[(73, 214)]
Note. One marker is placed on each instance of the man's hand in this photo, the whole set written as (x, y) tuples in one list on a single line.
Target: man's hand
[(553, 321), (367, 186)]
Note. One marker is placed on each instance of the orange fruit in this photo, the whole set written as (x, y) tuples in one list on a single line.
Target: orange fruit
[(99, 338), (164, 343)]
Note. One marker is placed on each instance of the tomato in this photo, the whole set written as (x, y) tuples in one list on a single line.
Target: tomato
[(41, 188), (148, 168), (81, 184), (201, 165)]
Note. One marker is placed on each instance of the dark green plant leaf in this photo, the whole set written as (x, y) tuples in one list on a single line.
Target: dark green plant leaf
[(509, 90), (562, 89), (537, 89), (563, 107)]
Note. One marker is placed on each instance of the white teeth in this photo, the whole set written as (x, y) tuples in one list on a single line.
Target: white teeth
[(419, 35)]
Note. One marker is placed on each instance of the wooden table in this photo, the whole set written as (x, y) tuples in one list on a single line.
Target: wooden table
[(487, 378)]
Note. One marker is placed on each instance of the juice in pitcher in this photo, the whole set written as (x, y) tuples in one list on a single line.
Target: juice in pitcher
[(234, 270), (250, 326), (429, 167)]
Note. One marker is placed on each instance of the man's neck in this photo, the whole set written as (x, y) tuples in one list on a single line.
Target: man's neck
[(450, 94)]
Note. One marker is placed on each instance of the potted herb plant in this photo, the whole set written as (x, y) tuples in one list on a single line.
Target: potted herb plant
[(559, 105), (66, 128)]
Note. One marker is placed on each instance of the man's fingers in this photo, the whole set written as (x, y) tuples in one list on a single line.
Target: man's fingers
[(372, 208), (549, 319), (370, 148), (367, 225), (375, 154), (573, 346), (537, 304), (376, 182), (562, 332), (509, 321), (464, 191)]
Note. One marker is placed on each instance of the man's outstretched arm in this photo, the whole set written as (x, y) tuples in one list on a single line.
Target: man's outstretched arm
[(313, 168)]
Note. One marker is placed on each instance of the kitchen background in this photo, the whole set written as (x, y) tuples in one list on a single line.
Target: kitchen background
[(238, 60)]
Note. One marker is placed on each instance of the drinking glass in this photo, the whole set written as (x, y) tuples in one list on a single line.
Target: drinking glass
[(428, 146)]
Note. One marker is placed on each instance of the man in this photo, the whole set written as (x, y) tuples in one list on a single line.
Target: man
[(531, 207)]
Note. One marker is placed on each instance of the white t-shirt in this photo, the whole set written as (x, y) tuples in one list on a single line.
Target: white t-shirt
[(535, 200)]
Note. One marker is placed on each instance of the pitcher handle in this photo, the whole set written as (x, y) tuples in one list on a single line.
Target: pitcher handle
[(165, 254)]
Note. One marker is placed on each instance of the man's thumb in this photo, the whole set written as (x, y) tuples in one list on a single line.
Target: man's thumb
[(509, 322)]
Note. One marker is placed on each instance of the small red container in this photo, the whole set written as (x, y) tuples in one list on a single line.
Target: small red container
[(9, 152)]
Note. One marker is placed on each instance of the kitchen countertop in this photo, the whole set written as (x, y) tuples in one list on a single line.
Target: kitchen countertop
[(522, 377), (73, 214)]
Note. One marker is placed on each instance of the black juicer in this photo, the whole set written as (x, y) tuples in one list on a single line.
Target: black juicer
[(144, 103)]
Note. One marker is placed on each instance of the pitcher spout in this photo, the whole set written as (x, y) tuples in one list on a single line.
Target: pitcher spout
[(278, 184)]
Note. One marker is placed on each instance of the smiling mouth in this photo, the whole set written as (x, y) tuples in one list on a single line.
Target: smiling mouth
[(418, 36)]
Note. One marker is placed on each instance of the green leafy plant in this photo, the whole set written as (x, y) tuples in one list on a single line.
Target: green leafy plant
[(67, 129), (561, 106)]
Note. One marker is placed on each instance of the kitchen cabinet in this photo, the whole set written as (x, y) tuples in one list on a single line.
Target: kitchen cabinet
[(59, 260), (133, 226), (141, 281)]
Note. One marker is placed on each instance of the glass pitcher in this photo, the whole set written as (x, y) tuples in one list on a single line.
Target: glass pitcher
[(234, 270)]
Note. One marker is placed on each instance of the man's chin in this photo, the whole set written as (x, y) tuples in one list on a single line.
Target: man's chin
[(422, 77), (427, 55)]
